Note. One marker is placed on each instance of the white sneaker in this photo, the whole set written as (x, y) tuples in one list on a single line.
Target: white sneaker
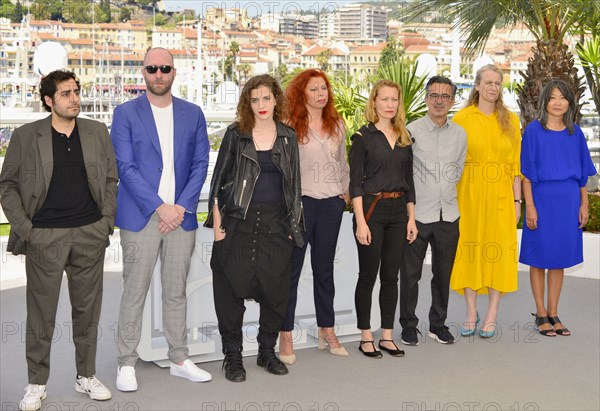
[(190, 371), (34, 394), (92, 387), (126, 380)]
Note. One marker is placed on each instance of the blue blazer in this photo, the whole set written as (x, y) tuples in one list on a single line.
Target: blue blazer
[(139, 161)]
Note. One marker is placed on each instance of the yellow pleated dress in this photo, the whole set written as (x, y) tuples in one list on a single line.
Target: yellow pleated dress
[(487, 252)]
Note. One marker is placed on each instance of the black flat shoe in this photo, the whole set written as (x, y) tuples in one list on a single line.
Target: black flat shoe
[(371, 354), (543, 320), (234, 367), (560, 331), (268, 360), (397, 352)]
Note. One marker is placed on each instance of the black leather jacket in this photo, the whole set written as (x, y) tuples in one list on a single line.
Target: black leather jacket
[(237, 170)]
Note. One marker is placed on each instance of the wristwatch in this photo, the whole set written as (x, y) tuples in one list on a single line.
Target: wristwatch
[(519, 201)]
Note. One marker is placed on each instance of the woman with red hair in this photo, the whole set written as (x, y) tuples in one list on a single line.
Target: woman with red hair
[(324, 177)]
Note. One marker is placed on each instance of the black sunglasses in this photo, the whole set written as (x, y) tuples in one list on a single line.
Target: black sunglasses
[(163, 69)]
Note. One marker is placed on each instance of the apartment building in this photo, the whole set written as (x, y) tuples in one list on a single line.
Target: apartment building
[(297, 25), (338, 59), (360, 21), (364, 60), (167, 38)]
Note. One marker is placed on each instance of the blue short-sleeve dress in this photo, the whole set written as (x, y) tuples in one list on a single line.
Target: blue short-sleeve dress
[(558, 164)]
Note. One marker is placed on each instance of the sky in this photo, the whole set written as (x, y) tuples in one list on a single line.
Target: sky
[(257, 7)]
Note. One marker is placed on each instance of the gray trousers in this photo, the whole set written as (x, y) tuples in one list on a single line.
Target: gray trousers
[(79, 252), (140, 253)]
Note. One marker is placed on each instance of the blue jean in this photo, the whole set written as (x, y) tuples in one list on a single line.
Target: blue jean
[(322, 218)]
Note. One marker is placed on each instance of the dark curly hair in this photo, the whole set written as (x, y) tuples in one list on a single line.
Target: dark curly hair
[(298, 114), (49, 84), (244, 113)]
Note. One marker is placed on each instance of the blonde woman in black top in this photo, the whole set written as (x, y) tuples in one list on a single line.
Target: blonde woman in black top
[(383, 196)]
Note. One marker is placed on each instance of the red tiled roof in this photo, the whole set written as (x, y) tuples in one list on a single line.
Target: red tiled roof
[(186, 52), (190, 33), (378, 47), (316, 50)]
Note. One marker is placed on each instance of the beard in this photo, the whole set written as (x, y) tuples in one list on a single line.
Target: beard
[(159, 89), (65, 113)]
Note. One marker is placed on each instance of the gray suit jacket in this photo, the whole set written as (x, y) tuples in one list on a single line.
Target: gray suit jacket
[(27, 171)]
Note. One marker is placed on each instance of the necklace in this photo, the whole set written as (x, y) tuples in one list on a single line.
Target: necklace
[(270, 145), (318, 136)]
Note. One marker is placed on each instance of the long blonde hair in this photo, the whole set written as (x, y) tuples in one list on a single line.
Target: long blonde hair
[(503, 113), (399, 120)]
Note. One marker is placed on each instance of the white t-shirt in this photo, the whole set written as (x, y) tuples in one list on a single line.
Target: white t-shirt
[(163, 118)]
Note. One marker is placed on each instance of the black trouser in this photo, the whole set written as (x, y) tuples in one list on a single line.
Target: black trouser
[(253, 261), (322, 218), (443, 237), (388, 234)]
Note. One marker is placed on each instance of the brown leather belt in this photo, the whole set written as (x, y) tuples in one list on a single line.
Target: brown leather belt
[(379, 196)]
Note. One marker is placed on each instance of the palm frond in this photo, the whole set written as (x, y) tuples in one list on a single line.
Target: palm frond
[(544, 18)]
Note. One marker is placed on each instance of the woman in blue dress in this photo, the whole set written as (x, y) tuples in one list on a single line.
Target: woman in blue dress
[(556, 163)]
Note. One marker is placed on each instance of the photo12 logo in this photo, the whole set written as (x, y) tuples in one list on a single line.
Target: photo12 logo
[(268, 406), (468, 406), (76, 405), (214, 10)]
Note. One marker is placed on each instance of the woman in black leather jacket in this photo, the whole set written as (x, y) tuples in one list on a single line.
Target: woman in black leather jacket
[(255, 211)]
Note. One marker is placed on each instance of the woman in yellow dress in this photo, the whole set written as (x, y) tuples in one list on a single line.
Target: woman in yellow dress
[(489, 200)]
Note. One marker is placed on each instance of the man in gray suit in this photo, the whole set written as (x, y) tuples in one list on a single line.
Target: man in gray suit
[(58, 189)]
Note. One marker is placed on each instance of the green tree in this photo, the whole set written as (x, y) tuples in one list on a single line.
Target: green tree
[(80, 12), (281, 71), (588, 49), (350, 102), (245, 68), (392, 52), (106, 13), (589, 55), (234, 48), (17, 14), (548, 20), (6, 9), (323, 59), (47, 9), (124, 14), (231, 62), (160, 19), (289, 76)]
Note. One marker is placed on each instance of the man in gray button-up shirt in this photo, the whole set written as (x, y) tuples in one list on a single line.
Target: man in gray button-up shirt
[(439, 151)]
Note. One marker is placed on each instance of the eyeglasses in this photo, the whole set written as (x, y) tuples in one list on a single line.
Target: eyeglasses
[(163, 69), (445, 97)]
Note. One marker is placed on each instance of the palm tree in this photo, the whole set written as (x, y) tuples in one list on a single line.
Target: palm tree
[(588, 49), (548, 20), (589, 55), (244, 68), (350, 103), (323, 59)]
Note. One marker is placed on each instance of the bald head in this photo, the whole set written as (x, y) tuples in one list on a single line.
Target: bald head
[(158, 53)]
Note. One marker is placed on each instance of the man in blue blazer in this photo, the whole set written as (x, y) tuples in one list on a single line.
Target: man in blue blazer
[(161, 146)]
